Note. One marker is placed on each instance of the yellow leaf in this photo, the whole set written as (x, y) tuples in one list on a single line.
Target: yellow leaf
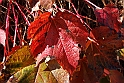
[(19, 59)]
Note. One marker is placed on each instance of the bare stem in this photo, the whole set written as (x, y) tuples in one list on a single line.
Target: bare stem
[(25, 18), (7, 27)]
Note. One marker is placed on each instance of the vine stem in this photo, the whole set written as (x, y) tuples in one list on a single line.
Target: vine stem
[(7, 29), (79, 16), (16, 28), (93, 6), (25, 18)]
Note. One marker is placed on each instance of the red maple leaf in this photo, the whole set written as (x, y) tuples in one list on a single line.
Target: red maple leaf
[(58, 36)]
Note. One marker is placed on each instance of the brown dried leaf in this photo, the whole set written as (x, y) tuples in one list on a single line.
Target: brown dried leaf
[(47, 4)]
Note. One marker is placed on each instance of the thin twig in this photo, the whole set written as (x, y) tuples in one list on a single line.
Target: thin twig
[(3, 7), (103, 1), (8, 16), (80, 16), (7, 27), (93, 6), (16, 27), (25, 18)]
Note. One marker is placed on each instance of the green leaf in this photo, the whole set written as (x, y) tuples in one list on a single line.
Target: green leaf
[(26, 75), (19, 59), (50, 72), (32, 74)]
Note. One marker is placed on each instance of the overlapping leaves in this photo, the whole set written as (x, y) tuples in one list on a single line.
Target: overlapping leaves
[(19, 59), (102, 54), (58, 36), (45, 73), (64, 36)]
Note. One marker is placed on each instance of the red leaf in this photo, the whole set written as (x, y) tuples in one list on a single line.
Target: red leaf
[(34, 28), (75, 26), (116, 76), (108, 39), (107, 16), (38, 31), (104, 33), (66, 52), (1, 1), (2, 37), (98, 58), (83, 74), (95, 59), (103, 55), (58, 36), (122, 31)]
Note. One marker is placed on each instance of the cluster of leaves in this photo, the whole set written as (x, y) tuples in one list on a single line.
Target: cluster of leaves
[(76, 52)]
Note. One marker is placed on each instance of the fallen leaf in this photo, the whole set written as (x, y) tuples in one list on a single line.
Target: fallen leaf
[(67, 52), (108, 39), (34, 28)]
